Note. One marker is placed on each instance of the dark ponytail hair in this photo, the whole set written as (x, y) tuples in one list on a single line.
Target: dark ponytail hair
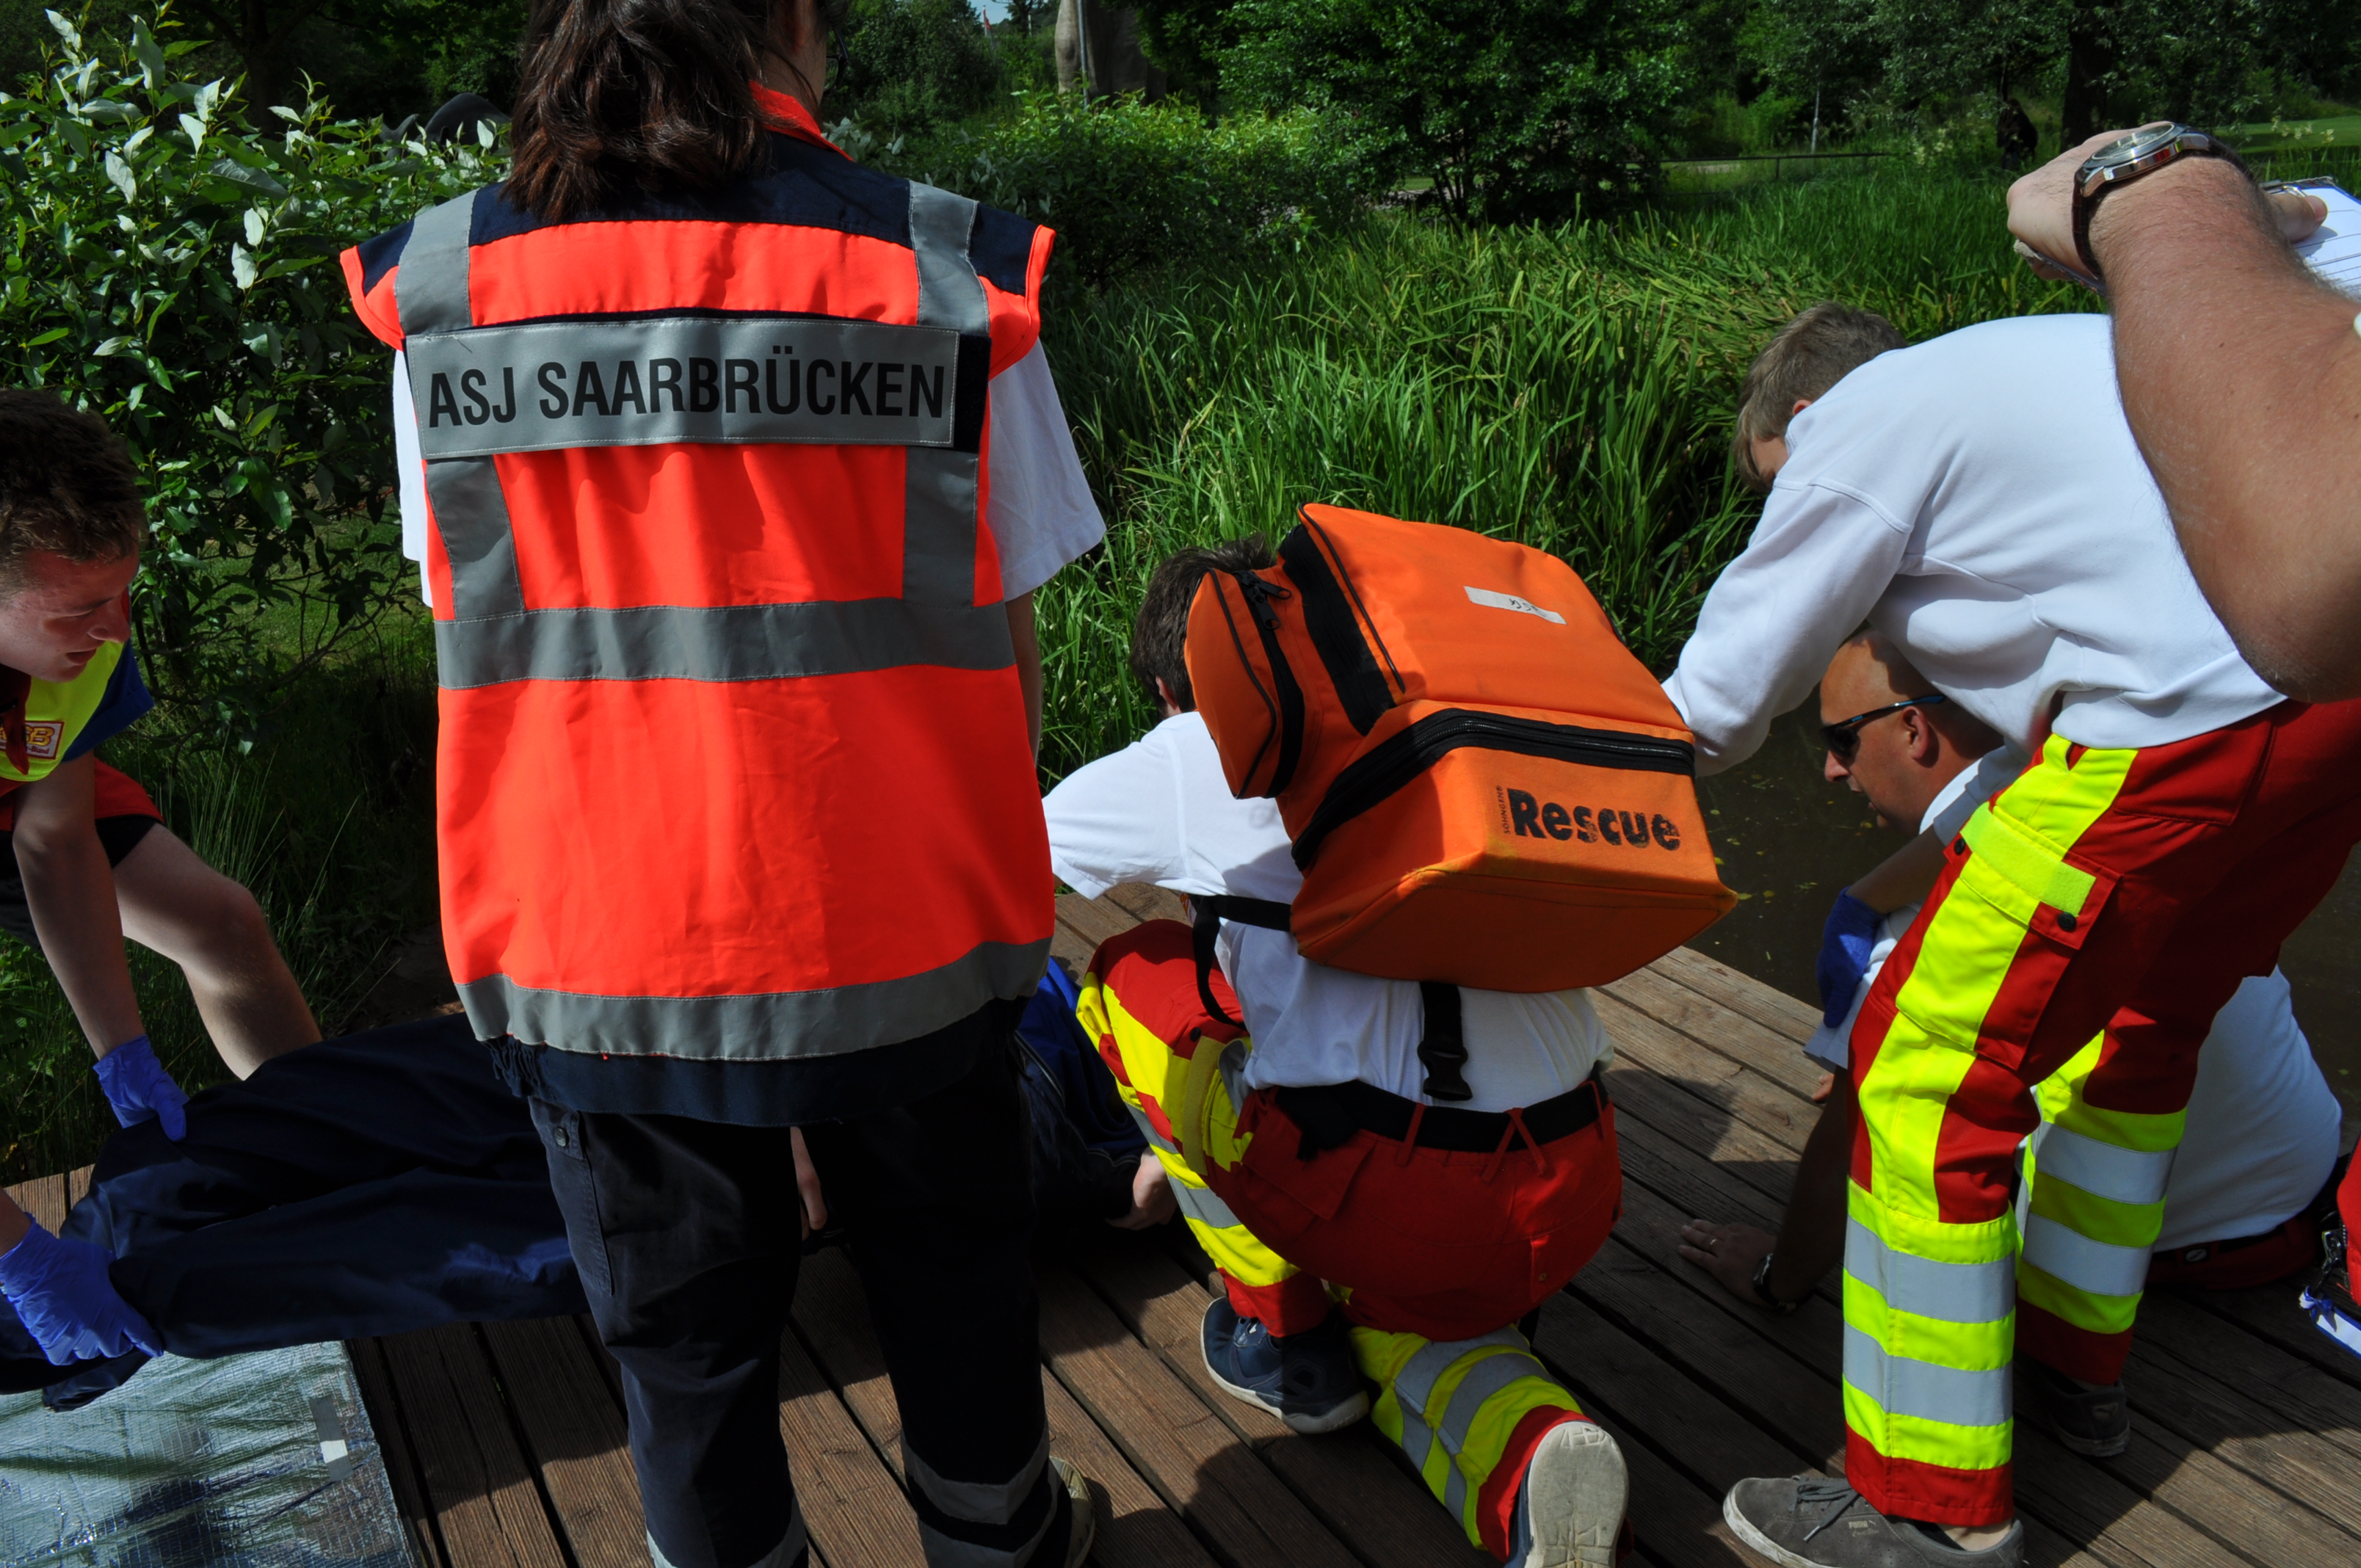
[(652, 93)]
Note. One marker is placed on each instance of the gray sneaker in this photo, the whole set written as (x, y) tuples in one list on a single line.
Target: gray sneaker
[(1804, 1521), (2096, 1422)]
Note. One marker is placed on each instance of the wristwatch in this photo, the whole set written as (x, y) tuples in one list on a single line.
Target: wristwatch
[(1762, 1288), (2127, 158)]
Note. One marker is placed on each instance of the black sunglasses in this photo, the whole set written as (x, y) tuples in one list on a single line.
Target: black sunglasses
[(1844, 739)]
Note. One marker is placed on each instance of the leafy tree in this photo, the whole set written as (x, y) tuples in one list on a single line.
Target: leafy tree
[(1516, 109), (916, 64), (175, 271), (1188, 39)]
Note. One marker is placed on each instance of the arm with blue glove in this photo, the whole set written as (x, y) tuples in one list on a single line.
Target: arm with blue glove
[(69, 888), (1904, 878), (62, 1295)]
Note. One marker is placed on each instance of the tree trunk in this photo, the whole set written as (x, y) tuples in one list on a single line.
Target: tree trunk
[(256, 52), (2090, 56)]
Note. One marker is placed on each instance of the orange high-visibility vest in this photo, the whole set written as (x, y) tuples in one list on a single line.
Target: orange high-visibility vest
[(733, 761)]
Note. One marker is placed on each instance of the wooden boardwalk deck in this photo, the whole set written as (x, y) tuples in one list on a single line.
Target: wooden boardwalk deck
[(506, 1440)]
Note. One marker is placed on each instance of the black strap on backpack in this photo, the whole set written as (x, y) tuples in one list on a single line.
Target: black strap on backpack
[(1210, 910), (1443, 1048)]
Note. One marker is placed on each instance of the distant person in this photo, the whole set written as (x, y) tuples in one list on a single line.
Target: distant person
[(1978, 501), (2241, 374), (2015, 134), (2241, 1192), (89, 861), (1311, 1155)]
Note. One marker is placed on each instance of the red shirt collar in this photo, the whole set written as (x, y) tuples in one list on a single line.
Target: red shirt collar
[(786, 114)]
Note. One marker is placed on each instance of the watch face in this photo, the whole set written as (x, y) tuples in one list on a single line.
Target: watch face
[(2125, 149)]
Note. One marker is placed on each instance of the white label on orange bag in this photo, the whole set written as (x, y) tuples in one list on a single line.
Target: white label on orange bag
[(1491, 599)]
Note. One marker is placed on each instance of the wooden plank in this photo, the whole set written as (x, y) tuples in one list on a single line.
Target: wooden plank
[(78, 1184), (394, 1448), (43, 1197), (1137, 1530), (1740, 992), (2275, 1392), (1373, 1506), (1198, 1465), (1705, 1138), (854, 1508), (1146, 901), (478, 1486), (2268, 1313), (1717, 1028), (575, 1435), (1720, 1080), (1092, 921)]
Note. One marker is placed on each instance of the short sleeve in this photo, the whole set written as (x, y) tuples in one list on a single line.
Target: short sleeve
[(1041, 510), (1117, 820), (119, 707)]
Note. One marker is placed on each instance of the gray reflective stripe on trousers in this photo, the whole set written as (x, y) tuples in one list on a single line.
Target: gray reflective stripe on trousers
[(1484, 1379), (790, 1545), (1415, 1384), (949, 1552), (984, 1502), (767, 1027), (2102, 1169), (1947, 1292), (1200, 1204), (1904, 1386), (1148, 1130), (728, 642), (1417, 1439), (552, 386), (492, 637), (2102, 1268)]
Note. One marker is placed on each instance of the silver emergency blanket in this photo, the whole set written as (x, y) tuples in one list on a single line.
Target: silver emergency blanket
[(263, 1459)]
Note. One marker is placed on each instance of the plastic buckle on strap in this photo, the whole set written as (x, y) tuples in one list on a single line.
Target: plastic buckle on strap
[(1443, 1048)]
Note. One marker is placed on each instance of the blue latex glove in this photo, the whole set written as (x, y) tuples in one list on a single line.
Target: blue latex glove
[(68, 1304), (1844, 944), (137, 1087)]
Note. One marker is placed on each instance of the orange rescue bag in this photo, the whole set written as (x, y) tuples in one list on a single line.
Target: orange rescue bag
[(1483, 785)]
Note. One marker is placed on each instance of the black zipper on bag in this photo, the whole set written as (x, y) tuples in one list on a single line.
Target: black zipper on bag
[(1335, 634), (1395, 762), (1259, 595)]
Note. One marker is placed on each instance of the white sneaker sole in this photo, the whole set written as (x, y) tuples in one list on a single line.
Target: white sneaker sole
[(1576, 1489), (1755, 1540), (1334, 1419)]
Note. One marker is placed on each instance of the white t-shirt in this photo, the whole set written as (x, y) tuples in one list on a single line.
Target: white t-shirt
[(1979, 499), (1160, 811), (1039, 506), (2263, 1123)]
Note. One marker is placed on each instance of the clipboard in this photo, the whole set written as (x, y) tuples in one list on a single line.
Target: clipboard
[(2333, 251)]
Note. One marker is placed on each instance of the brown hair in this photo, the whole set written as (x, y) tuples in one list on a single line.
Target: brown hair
[(67, 485), (652, 93), (1160, 634), (1810, 354)]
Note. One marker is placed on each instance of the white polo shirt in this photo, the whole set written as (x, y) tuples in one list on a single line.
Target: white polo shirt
[(1977, 498), (1038, 505), (1160, 811)]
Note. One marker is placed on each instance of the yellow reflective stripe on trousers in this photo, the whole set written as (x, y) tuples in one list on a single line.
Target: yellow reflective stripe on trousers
[(1930, 1322), (1452, 1406), (2095, 1183)]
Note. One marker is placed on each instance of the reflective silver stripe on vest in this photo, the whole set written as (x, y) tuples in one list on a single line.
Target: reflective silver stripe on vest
[(555, 385), (730, 642), (1200, 1204), (1904, 1386), (790, 1547), (759, 1027), (493, 638), (1947, 1292)]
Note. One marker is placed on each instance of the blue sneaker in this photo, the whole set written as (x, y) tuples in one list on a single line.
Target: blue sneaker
[(1308, 1380)]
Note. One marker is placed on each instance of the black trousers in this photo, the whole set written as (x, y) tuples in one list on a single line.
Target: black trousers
[(687, 1236)]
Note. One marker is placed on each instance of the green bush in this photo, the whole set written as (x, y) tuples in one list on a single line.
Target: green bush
[(174, 269), (1132, 187), (916, 64)]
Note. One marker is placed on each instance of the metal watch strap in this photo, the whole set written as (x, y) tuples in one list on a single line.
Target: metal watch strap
[(1762, 1288)]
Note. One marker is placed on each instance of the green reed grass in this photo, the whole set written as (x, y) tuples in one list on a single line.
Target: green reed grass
[(1570, 389)]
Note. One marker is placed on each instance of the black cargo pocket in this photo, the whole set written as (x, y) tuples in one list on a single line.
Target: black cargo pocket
[(571, 1180)]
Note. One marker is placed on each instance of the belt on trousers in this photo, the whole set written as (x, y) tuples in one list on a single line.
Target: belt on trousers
[(1330, 1113)]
